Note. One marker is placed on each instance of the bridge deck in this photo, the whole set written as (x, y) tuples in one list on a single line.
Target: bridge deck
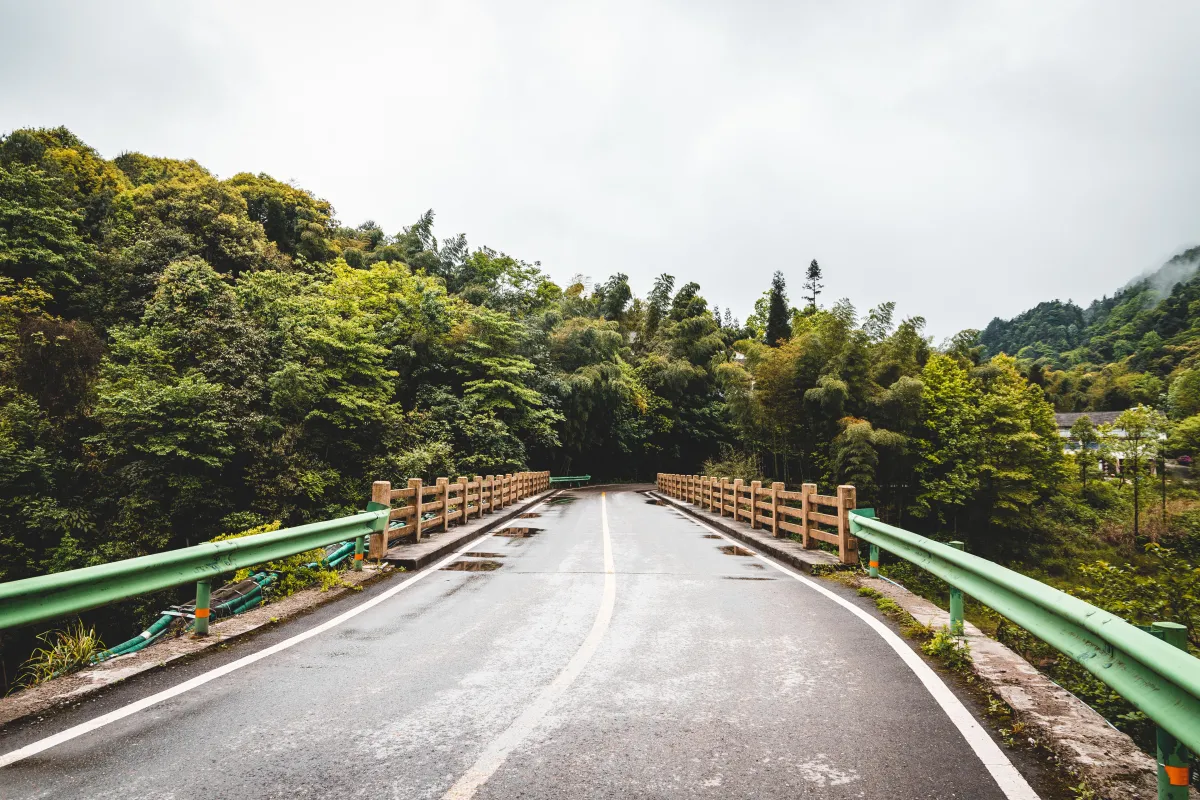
[(619, 650)]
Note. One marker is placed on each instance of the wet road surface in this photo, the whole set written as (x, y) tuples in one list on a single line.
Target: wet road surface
[(612, 649)]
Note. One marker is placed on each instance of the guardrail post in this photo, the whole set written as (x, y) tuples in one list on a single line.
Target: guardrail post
[(381, 493), (847, 544), (755, 486), (203, 597), (956, 600), (478, 496), (855, 527), (806, 491), (712, 493), (1174, 760), (776, 488), (737, 491), (491, 499), (358, 553)]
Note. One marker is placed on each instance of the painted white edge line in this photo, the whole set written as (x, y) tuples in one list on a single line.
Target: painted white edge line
[(496, 753), (207, 677), (1010, 781)]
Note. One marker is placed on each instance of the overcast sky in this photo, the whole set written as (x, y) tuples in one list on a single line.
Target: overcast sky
[(967, 160)]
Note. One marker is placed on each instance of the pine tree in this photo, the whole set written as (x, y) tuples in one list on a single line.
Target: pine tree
[(779, 326), (812, 284)]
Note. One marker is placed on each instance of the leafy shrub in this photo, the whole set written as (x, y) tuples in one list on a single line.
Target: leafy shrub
[(949, 649), (293, 572), (735, 464), (1170, 592)]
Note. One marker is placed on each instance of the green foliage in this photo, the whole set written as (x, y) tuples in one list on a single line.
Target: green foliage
[(1168, 590), (952, 652), (65, 651), (292, 573), (778, 327), (734, 464)]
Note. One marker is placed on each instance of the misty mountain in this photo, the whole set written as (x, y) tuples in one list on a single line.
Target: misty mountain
[(1152, 324)]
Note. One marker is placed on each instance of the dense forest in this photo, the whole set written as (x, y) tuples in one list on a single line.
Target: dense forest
[(184, 356), (1120, 350)]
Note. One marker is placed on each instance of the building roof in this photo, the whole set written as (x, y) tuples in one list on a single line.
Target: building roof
[(1097, 417)]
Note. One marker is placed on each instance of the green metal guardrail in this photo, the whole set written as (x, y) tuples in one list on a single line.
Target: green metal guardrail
[(1161, 680), (578, 479), (49, 597)]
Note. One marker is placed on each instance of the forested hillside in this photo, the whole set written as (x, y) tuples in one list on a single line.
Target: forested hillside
[(184, 355), (1120, 350)]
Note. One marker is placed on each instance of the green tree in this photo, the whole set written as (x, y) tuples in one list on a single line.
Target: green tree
[(1083, 434), (813, 284), (948, 440), (39, 233), (1183, 398), (778, 328), (1135, 434)]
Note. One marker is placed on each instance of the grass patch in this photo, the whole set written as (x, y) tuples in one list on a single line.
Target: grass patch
[(66, 651)]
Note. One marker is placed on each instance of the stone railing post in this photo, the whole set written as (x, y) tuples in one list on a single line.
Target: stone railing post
[(418, 503), (847, 544), (381, 493), (776, 488), (806, 506)]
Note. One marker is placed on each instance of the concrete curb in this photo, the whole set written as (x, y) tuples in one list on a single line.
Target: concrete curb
[(1109, 761), (79, 686)]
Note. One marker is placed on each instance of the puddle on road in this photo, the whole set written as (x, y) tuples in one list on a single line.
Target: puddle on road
[(653, 502), (712, 536), (562, 499), (744, 578), (529, 515), (755, 566), (734, 550), (519, 533), (485, 555), (473, 566)]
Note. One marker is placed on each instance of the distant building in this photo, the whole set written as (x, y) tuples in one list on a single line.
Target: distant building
[(1098, 418)]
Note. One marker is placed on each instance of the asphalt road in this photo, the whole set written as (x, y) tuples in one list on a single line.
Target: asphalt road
[(677, 671)]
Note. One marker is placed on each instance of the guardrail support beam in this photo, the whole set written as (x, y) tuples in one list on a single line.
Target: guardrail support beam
[(1174, 760), (203, 599), (956, 601), (358, 553)]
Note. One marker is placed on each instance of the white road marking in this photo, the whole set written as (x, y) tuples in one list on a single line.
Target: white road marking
[(1010, 781), (500, 748), (146, 702)]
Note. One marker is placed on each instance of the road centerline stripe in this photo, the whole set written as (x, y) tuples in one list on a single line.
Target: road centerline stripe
[(82, 728), (496, 753), (1007, 777)]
